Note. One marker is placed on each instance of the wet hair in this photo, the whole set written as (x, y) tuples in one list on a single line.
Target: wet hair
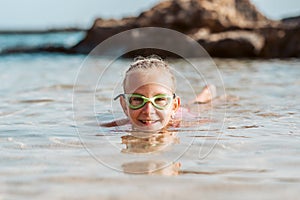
[(150, 62)]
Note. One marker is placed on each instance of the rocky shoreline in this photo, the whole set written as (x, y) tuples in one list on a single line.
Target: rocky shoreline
[(46, 31), (227, 29)]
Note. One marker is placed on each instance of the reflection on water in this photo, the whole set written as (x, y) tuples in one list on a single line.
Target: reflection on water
[(146, 143), (150, 143), (152, 167), (252, 152)]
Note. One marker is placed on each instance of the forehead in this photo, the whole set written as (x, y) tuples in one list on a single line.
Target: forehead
[(138, 78)]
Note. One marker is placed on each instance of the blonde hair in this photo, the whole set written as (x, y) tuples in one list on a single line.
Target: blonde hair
[(150, 62)]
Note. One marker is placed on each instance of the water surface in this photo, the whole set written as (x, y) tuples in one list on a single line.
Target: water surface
[(250, 149)]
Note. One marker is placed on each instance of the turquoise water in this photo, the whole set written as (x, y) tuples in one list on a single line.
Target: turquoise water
[(249, 146), (36, 40)]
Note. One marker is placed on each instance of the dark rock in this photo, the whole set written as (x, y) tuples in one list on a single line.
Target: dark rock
[(281, 42), (50, 49), (101, 30), (188, 17), (292, 21), (184, 15), (233, 44)]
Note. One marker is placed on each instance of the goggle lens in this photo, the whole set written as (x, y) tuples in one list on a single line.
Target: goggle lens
[(136, 101)]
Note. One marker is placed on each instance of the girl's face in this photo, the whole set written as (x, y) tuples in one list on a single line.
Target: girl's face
[(148, 117)]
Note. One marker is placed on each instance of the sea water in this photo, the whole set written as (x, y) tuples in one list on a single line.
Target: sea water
[(246, 144)]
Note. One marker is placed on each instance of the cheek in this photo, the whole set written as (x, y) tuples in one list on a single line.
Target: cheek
[(166, 115), (133, 114)]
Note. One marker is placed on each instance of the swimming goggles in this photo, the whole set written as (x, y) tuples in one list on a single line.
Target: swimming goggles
[(137, 101)]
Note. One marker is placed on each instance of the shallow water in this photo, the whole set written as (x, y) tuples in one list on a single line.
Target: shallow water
[(249, 147), (18, 40)]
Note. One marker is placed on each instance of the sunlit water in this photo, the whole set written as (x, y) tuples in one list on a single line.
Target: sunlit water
[(249, 147)]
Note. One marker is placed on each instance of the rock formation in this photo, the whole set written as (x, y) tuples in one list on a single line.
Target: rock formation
[(225, 28)]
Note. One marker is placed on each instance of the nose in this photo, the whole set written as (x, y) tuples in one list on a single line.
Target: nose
[(148, 108)]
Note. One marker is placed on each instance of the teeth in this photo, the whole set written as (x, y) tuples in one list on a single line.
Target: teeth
[(148, 121)]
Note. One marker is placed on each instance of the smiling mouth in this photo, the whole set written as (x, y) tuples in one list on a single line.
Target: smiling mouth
[(148, 122)]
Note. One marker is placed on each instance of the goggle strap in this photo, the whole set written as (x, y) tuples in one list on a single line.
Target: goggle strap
[(120, 95)]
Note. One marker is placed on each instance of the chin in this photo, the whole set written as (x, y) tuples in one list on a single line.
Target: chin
[(149, 127)]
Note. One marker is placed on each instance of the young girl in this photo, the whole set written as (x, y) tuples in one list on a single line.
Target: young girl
[(149, 99)]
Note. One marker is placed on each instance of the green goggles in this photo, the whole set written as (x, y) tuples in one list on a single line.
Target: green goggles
[(137, 101)]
